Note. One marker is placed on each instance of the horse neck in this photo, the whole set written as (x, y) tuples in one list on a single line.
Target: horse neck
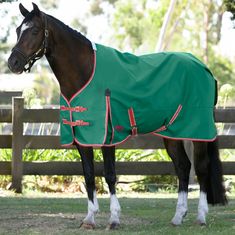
[(70, 56)]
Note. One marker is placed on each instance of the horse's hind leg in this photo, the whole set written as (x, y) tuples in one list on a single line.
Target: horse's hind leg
[(110, 177), (176, 151), (208, 168), (201, 162), (88, 170)]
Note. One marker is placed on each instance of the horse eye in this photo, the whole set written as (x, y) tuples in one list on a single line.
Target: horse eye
[(35, 31)]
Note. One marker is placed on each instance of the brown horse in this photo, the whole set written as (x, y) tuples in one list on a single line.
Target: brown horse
[(71, 57)]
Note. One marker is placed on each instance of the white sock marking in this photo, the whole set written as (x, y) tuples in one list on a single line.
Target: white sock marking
[(202, 208), (93, 208), (115, 209), (181, 208)]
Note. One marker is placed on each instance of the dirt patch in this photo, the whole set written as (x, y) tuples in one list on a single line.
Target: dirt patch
[(52, 223)]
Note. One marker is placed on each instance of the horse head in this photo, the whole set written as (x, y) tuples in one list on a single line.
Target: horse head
[(31, 45)]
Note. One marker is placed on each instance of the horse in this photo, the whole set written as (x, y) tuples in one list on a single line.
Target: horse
[(72, 58)]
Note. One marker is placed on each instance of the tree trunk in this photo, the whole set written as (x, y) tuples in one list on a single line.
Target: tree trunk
[(165, 23), (206, 31)]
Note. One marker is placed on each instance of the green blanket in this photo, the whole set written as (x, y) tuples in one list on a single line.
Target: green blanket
[(167, 94)]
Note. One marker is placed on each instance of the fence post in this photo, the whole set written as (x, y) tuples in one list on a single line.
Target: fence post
[(17, 143)]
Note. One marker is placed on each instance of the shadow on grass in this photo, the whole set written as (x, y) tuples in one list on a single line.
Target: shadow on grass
[(150, 215)]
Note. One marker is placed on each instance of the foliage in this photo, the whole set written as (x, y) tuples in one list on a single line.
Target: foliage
[(136, 23), (164, 183), (230, 6), (68, 183), (2, 1), (96, 8), (5, 33), (49, 4), (77, 24), (47, 89), (226, 92), (222, 69), (51, 155)]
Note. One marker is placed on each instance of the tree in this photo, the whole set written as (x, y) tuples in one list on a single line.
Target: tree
[(49, 4), (164, 25), (4, 46), (2, 1), (194, 26), (136, 23), (230, 6)]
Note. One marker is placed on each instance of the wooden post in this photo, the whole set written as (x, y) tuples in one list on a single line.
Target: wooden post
[(17, 144)]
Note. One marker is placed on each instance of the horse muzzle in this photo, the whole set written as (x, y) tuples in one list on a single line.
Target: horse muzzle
[(16, 62)]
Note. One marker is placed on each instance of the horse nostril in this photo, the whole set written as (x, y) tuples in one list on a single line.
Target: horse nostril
[(15, 62), (12, 61)]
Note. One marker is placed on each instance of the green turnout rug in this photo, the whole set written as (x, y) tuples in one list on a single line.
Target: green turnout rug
[(167, 94)]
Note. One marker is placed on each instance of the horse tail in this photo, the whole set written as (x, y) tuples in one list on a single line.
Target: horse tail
[(215, 187)]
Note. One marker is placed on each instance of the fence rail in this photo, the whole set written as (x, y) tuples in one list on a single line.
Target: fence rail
[(17, 141)]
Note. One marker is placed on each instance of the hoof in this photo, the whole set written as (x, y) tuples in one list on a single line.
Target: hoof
[(113, 226), (201, 220), (201, 223), (175, 224), (176, 221), (87, 226)]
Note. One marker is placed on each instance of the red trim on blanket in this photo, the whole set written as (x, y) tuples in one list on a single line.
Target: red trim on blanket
[(128, 137), (164, 127), (132, 121), (101, 145), (87, 83), (191, 139), (76, 123), (110, 116), (176, 114), (66, 145), (78, 92), (73, 109), (89, 80), (106, 119)]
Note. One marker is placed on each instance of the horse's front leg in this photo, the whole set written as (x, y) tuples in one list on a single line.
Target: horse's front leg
[(176, 151), (87, 157), (110, 177)]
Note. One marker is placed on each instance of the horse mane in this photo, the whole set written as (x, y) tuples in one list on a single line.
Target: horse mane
[(70, 30), (67, 28)]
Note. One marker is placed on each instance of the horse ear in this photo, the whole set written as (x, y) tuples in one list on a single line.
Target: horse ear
[(23, 10), (36, 9)]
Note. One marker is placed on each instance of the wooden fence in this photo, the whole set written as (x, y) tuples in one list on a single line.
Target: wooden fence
[(18, 115), (6, 96)]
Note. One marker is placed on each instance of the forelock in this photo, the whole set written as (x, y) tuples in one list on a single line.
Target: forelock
[(29, 17)]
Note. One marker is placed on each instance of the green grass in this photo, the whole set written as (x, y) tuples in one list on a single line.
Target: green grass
[(141, 214)]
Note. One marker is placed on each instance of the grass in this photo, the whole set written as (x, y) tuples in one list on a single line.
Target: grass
[(55, 214)]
